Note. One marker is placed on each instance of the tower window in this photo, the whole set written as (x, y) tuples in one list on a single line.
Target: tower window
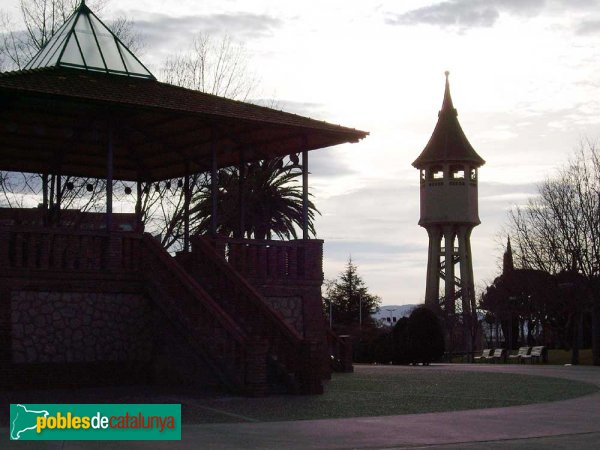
[(422, 175), (436, 173), (457, 172), (473, 174)]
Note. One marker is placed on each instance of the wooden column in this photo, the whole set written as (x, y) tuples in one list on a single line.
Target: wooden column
[(109, 178), (138, 201), (187, 194), (304, 193), (58, 199), (214, 187), (45, 191), (241, 186), (58, 191)]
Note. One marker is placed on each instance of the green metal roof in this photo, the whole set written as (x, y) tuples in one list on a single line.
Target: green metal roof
[(85, 42)]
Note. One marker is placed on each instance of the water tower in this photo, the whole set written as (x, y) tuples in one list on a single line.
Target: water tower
[(448, 174)]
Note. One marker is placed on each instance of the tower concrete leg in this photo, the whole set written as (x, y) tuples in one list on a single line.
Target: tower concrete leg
[(467, 286), (449, 234), (432, 289)]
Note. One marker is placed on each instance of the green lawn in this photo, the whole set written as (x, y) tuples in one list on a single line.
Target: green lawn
[(390, 390), (369, 391), (562, 357)]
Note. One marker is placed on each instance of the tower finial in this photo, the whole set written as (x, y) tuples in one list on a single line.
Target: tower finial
[(447, 106)]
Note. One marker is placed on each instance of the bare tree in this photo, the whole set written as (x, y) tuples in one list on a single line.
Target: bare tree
[(218, 67), (559, 230), (215, 66), (163, 208)]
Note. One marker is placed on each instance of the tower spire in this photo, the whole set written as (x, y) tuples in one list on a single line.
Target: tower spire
[(448, 141), (508, 262), (447, 106)]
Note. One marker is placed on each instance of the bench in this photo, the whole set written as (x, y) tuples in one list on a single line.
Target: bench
[(538, 354), (485, 354), (521, 354), (499, 355)]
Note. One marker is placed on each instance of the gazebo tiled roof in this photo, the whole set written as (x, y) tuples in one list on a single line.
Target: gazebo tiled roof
[(85, 88), (61, 116)]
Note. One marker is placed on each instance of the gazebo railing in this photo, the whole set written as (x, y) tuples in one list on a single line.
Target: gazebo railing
[(64, 249), (279, 261)]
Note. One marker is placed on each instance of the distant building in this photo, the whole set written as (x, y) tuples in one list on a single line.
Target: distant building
[(388, 315)]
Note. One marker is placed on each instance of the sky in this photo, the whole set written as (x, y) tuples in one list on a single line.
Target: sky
[(524, 77)]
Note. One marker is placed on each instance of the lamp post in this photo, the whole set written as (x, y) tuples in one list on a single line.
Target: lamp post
[(570, 288), (360, 312), (513, 301)]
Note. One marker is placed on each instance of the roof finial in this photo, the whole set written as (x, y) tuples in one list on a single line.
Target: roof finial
[(447, 106)]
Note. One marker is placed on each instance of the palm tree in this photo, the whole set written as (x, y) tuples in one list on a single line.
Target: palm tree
[(271, 198)]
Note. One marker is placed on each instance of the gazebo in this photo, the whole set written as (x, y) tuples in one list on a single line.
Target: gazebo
[(101, 299)]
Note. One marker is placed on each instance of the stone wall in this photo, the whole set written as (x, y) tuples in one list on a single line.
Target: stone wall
[(49, 327), (291, 310)]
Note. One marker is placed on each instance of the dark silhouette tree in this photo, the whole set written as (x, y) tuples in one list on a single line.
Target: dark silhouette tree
[(271, 201), (425, 336), (559, 229), (400, 342), (522, 301), (347, 295)]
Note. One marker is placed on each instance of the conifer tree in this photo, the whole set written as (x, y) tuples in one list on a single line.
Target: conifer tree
[(347, 295)]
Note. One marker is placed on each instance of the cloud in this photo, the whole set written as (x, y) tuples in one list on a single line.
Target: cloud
[(328, 164), (371, 247), (492, 191), (158, 28), (588, 27), (466, 13), (307, 109)]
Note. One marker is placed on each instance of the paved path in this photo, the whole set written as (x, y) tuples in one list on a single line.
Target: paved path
[(564, 424)]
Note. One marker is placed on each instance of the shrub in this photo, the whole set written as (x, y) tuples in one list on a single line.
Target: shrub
[(401, 353), (425, 336)]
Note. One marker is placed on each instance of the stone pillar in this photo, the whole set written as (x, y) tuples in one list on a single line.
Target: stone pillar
[(114, 252), (345, 352), (4, 245), (5, 326), (310, 367), (256, 367)]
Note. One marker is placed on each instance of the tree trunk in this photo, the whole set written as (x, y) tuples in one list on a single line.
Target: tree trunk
[(596, 332)]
